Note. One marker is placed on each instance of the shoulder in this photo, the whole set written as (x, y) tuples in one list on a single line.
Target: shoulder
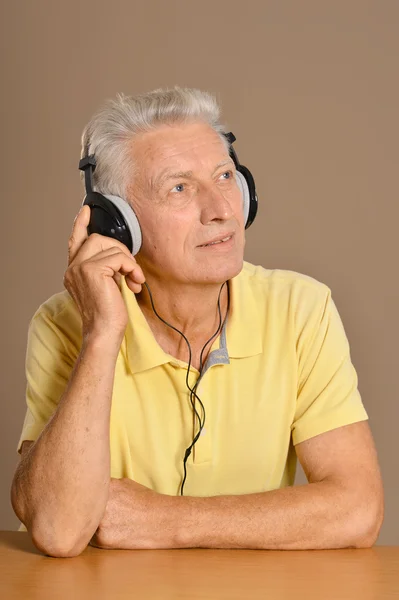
[(58, 317), (57, 307), (285, 299), (295, 286), (286, 305)]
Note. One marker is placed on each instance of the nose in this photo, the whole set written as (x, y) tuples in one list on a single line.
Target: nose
[(215, 206)]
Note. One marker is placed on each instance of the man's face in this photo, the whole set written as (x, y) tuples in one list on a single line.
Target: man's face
[(185, 194)]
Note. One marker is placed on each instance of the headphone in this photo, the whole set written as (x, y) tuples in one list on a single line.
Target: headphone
[(114, 217)]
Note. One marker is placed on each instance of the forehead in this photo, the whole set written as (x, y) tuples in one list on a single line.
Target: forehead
[(177, 145)]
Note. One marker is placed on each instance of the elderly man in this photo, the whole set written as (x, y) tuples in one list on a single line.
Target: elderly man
[(171, 390)]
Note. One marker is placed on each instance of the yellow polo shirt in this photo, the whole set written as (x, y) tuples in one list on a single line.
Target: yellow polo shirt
[(279, 373)]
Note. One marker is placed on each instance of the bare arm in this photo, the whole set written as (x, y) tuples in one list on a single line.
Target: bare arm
[(60, 487), (342, 505)]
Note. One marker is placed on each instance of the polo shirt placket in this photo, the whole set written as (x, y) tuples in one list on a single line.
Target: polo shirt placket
[(202, 450)]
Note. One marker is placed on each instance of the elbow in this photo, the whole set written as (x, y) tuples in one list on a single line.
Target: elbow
[(57, 546), (369, 528)]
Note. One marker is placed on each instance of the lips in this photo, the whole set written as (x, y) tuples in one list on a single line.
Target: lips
[(218, 240)]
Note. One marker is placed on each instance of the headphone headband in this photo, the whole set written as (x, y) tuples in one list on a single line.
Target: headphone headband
[(88, 165)]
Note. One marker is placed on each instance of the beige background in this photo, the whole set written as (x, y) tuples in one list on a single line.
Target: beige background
[(311, 91)]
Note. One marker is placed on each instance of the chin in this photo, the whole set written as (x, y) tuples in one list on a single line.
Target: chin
[(235, 268), (218, 273)]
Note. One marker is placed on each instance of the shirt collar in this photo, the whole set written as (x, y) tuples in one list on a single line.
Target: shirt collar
[(243, 336)]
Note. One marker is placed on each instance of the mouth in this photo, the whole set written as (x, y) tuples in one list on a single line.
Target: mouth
[(224, 242)]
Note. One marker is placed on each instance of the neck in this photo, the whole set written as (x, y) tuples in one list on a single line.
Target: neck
[(192, 310)]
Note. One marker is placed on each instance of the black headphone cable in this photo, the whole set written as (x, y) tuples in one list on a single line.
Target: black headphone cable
[(192, 390)]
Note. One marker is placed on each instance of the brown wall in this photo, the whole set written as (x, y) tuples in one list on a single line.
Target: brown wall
[(311, 91)]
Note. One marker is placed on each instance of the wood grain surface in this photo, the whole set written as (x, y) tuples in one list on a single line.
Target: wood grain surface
[(366, 574)]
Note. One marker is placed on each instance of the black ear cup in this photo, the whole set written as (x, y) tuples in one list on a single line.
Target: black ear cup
[(109, 215), (106, 219)]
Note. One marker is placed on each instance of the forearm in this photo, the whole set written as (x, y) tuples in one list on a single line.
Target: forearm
[(312, 516), (60, 488)]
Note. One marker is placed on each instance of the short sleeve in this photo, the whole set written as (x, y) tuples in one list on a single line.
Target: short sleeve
[(51, 353), (327, 393)]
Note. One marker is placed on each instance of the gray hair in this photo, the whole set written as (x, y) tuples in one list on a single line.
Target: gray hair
[(109, 132)]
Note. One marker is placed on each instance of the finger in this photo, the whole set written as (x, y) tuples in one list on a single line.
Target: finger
[(118, 280), (134, 278), (134, 287), (136, 269), (97, 243), (136, 273), (79, 232), (113, 261)]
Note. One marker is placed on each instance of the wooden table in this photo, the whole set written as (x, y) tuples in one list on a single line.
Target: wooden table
[(369, 574)]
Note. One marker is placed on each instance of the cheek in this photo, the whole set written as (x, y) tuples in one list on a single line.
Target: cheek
[(166, 241)]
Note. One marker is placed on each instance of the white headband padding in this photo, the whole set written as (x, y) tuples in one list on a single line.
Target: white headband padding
[(242, 184)]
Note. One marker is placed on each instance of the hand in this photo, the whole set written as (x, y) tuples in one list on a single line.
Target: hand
[(137, 518), (95, 266)]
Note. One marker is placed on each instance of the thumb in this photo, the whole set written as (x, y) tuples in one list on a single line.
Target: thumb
[(79, 232)]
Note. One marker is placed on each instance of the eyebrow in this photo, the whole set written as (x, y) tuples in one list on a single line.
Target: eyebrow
[(186, 174)]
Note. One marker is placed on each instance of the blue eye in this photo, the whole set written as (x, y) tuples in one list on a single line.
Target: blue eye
[(178, 185), (227, 173)]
